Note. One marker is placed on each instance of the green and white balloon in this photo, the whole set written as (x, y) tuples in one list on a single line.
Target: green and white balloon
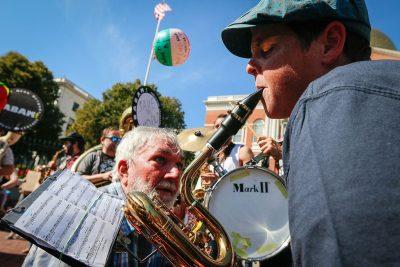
[(171, 47)]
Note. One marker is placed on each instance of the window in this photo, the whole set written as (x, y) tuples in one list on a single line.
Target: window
[(258, 128), (75, 106), (238, 138)]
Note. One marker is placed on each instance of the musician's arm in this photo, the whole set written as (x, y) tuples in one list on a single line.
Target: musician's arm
[(98, 177), (12, 182)]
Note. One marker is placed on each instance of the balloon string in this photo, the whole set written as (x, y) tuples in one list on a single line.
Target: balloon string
[(151, 53)]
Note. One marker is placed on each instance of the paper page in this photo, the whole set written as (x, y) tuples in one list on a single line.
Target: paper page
[(75, 218)]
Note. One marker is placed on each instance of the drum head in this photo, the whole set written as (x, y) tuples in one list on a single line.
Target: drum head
[(251, 204)]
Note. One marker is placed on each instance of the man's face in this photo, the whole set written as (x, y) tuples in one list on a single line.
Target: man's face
[(158, 165), (281, 67), (67, 147), (110, 146), (218, 122)]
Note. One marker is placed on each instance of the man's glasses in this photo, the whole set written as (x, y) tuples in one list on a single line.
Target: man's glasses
[(114, 139)]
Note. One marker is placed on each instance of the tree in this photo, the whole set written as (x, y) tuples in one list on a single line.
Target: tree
[(95, 115), (16, 71)]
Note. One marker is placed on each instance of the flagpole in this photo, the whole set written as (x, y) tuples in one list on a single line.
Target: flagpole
[(151, 53)]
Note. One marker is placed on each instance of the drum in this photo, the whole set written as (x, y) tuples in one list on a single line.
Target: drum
[(251, 203)]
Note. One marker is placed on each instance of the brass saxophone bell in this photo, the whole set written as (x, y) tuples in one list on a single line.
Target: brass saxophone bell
[(165, 231), (199, 194)]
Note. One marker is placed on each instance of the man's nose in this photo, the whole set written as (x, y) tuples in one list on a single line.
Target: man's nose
[(174, 172), (252, 68)]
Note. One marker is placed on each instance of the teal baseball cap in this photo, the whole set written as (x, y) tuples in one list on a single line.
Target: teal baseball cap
[(353, 14)]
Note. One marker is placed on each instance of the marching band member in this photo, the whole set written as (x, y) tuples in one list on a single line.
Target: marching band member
[(97, 166), (148, 160), (73, 146), (342, 143), (232, 157)]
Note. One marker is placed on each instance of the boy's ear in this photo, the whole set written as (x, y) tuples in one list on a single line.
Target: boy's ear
[(333, 39)]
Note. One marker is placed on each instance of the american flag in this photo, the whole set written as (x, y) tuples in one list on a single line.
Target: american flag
[(160, 9)]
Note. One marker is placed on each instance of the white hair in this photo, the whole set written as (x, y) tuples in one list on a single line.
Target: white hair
[(138, 138)]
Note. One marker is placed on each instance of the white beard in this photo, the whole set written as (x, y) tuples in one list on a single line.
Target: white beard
[(139, 185)]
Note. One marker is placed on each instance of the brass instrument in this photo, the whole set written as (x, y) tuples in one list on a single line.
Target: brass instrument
[(194, 140), (200, 192), (51, 166), (126, 121), (159, 225), (125, 125)]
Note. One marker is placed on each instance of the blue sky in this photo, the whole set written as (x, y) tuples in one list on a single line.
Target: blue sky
[(96, 43)]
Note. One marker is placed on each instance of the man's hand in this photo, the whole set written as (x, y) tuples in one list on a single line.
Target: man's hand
[(270, 147), (107, 176)]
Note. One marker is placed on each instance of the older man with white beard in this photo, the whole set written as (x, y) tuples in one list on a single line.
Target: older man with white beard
[(148, 160), (151, 162)]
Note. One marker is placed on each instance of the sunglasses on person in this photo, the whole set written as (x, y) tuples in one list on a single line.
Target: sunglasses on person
[(114, 139)]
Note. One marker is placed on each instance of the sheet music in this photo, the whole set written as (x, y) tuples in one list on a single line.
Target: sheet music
[(75, 218)]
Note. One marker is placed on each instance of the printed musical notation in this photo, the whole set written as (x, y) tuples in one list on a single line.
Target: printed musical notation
[(75, 218)]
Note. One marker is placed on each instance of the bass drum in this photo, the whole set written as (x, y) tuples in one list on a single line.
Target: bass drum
[(251, 203)]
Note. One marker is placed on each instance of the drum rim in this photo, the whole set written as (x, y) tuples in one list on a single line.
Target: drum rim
[(207, 198)]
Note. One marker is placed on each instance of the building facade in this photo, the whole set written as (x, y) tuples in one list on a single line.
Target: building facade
[(71, 97)]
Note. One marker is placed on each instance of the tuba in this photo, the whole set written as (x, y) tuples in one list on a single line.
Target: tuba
[(125, 125), (161, 227)]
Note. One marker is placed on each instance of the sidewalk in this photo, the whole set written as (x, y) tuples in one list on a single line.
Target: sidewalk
[(11, 250)]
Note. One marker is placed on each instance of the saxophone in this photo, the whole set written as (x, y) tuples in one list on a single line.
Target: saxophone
[(161, 227), (51, 166)]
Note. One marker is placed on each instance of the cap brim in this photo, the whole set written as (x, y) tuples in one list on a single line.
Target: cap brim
[(237, 39)]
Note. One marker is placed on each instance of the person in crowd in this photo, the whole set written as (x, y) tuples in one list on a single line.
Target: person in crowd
[(10, 181), (97, 166), (231, 157), (311, 59), (73, 146), (6, 163), (7, 180), (148, 160), (234, 155)]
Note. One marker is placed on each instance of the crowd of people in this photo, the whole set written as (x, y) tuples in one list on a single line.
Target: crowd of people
[(340, 150), (151, 154)]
